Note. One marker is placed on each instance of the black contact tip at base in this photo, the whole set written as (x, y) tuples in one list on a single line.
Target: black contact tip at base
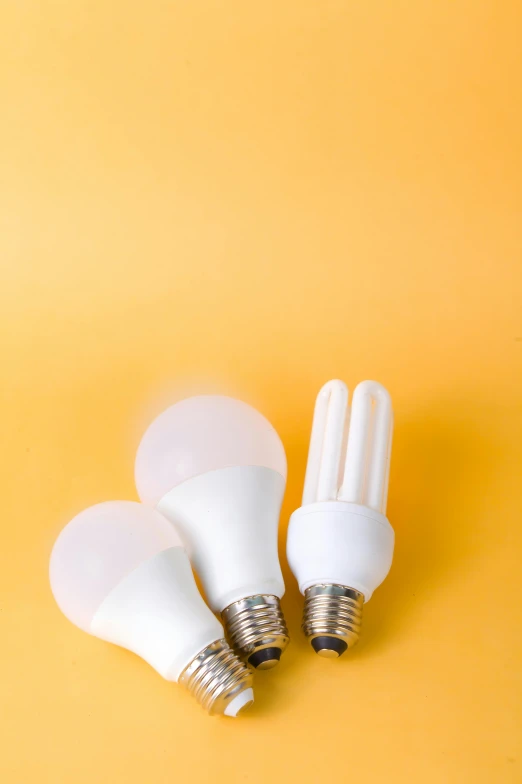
[(329, 647), (265, 658)]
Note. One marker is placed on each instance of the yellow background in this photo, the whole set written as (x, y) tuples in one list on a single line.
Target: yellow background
[(259, 197)]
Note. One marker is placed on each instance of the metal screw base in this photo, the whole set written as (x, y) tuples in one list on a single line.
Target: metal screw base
[(332, 618), (217, 678), (257, 630)]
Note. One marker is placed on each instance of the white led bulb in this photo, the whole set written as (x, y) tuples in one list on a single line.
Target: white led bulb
[(340, 543), (216, 468), (119, 571)]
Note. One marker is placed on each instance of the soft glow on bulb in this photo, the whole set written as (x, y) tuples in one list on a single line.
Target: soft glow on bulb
[(118, 571), (98, 549), (340, 544), (216, 468), (201, 434)]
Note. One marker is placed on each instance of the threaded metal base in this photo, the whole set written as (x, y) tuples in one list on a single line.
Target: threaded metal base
[(332, 618), (216, 678), (257, 630)]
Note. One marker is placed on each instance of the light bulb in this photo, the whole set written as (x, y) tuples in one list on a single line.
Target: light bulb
[(340, 543), (216, 468), (118, 570)]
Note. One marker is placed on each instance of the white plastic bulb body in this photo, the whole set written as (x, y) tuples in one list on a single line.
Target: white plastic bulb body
[(216, 468), (340, 542), (119, 571)]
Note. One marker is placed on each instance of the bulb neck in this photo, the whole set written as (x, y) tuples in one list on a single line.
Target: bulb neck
[(339, 543), (228, 520), (157, 612), (257, 630), (219, 680), (332, 618)]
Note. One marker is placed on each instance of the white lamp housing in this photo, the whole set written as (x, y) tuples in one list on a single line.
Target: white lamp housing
[(118, 570), (340, 543)]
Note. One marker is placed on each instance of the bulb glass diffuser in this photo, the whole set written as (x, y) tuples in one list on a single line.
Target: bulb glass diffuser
[(216, 468), (340, 543), (118, 571)]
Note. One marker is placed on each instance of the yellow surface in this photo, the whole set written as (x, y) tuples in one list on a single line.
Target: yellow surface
[(261, 196)]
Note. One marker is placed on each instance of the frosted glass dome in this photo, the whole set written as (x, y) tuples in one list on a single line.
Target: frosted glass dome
[(201, 434), (98, 548)]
